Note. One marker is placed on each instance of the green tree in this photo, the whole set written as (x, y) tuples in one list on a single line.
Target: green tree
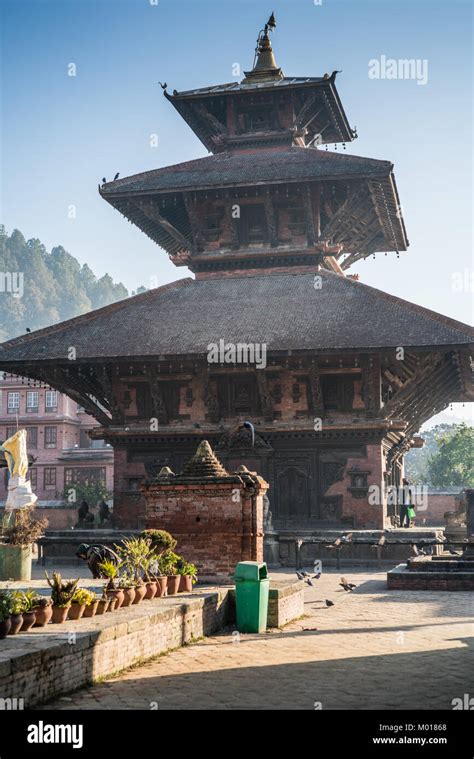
[(417, 459), (453, 463)]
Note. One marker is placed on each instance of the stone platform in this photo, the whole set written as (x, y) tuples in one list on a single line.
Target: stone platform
[(48, 662), (444, 572)]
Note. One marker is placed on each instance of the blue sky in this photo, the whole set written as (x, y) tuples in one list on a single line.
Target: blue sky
[(61, 134)]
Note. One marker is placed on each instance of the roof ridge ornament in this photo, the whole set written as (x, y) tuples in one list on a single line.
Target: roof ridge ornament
[(264, 65)]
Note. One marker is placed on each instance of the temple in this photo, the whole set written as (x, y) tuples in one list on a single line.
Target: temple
[(272, 352)]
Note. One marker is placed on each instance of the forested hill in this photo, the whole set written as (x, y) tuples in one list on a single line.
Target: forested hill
[(38, 288)]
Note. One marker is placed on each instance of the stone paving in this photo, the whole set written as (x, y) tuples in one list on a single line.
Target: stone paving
[(373, 649)]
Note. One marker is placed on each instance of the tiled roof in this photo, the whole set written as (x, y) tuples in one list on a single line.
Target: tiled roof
[(285, 311), (232, 87), (261, 167)]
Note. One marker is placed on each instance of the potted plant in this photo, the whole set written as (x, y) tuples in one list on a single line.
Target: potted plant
[(6, 602), (167, 564), (113, 604), (161, 542), (17, 543), (17, 607), (43, 611), (79, 601), (135, 555), (91, 606), (188, 575), (103, 603), (29, 612), (62, 592), (110, 570), (127, 586)]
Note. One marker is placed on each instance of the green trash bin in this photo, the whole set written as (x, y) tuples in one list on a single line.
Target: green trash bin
[(251, 596)]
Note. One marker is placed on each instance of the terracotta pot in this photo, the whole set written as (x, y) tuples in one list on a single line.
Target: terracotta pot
[(186, 584), (173, 585), (140, 591), (60, 614), (116, 593), (91, 609), (5, 626), (29, 618), (113, 604), (103, 605), (128, 597), (76, 611), (151, 590), (43, 615), (161, 585), (17, 621)]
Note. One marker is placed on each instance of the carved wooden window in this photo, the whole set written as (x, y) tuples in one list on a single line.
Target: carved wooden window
[(237, 395), (170, 392), (252, 224), (338, 392)]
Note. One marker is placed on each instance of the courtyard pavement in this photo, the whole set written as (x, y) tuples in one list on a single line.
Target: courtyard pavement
[(374, 649)]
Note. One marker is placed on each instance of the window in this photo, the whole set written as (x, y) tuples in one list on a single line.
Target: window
[(252, 224), (50, 476), (32, 401), (338, 392), (84, 475), (32, 437), (33, 478), (10, 432), (13, 403), (51, 400), (50, 437)]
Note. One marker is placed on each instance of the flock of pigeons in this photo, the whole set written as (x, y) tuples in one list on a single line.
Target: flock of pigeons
[(308, 579)]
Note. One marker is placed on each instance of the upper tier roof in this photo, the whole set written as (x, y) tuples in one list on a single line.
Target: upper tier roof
[(295, 164), (285, 311), (231, 87)]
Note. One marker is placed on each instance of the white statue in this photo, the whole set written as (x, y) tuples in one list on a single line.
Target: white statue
[(20, 494)]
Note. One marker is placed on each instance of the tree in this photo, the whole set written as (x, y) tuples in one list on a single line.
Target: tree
[(453, 463), (417, 459)]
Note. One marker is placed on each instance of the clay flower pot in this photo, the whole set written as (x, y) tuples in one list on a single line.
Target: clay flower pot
[(43, 615), (140, 591), (128, 597), (29, 618), (59, 614), (151, 589), (76, 611), (161, 585), (103, 605), (185, 584), (91, 609), (5, 626), (173, 584), (116, 593), (113, 604), (17, 621)]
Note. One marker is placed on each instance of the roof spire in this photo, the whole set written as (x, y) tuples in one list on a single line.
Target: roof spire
[(264, 65)]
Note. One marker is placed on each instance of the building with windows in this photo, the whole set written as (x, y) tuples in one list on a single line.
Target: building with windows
[(58, 440)]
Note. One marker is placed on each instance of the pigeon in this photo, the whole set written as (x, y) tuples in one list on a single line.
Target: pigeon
[(299, 575), (28, 329), (382, 540), (116, 176), (308, 581), (347, 538), (316, 577), (329, 603), (104, 180), (349, 586), (418, 551), (336, 544)]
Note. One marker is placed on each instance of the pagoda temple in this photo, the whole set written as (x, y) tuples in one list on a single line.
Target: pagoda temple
[(272, 352)]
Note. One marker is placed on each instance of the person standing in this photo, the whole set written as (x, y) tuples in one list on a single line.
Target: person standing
[(405, 502)]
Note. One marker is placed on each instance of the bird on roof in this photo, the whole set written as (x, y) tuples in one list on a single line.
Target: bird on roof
[(453, 553), (104, 180), (336, 544), (163, 86), (249, 426), (116, 176), (28, 329)]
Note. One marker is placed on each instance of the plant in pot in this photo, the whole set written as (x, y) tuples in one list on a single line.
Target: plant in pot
[(91, 606), (17, 608), (43, 611), (16, 546), (81, 598), (126, 583), (110, 570), (62, 592), (6, 603), (160, 541), (30, 598), (135, 555), (167, 564), (188, 575), (104, 602)]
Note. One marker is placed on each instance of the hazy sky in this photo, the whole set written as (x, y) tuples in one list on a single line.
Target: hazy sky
[(63, 133)]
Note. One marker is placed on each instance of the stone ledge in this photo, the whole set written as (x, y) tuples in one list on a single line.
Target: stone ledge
[(401, 578)]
